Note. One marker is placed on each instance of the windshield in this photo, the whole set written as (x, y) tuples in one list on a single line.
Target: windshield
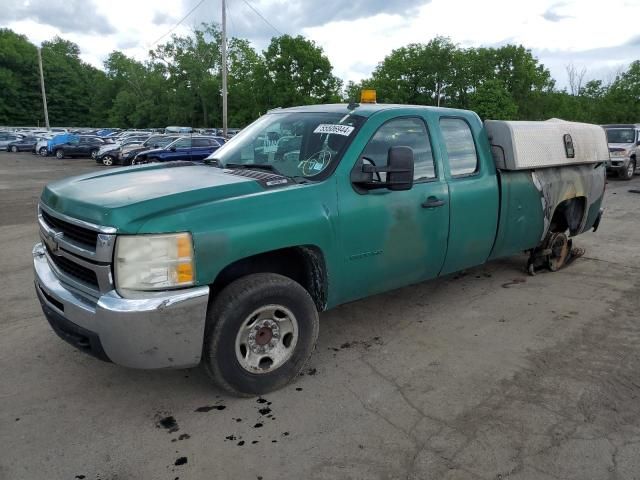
[(294, 144), (182, 142), (621, 135), (160, 141)]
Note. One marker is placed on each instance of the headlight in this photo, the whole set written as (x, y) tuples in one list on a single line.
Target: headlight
[(154, 262), (618, 154)]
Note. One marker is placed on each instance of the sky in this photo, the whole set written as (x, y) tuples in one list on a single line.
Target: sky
[(602, 37)]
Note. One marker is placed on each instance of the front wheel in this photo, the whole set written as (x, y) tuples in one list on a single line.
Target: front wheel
[(43, 152), (14, 149), (260, 332), (94, 154), (59, 154), (627, 174), (107, 160)]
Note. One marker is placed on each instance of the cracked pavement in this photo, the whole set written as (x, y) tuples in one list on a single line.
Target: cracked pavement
[(488, 374)]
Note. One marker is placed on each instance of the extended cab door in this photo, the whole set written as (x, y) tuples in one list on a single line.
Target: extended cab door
[(394, 238), (473, 192)]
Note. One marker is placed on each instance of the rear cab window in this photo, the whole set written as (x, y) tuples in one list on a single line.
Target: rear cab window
[(460, 147)]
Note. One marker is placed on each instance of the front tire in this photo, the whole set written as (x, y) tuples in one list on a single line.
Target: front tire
[(260, 332), (107, 160), (94, 153), (14, 149), (43, 152), (59, 154), (627, 174)]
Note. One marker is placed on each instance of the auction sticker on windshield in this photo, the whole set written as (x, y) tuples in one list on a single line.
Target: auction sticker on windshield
[(332, 128)]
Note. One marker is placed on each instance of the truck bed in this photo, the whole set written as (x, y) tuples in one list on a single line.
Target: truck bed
[(529, 199)]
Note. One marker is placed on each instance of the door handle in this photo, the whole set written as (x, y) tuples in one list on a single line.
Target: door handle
[(432, 202)]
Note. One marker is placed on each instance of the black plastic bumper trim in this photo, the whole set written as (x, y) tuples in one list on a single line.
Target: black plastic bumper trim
[(81, 338)]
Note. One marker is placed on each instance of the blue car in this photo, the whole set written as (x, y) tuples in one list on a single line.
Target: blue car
[(185, 148)]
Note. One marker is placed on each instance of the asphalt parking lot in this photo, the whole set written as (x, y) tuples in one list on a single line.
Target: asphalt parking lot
[(488, 374)]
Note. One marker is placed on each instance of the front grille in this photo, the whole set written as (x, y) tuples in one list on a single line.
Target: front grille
[(74, 270), (74, 232)]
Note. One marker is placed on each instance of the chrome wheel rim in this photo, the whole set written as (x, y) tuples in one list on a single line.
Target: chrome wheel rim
[(43, 152), (94, 154), (631, 169), (266, 339), (108, 161), (14, 149), (59, 154)]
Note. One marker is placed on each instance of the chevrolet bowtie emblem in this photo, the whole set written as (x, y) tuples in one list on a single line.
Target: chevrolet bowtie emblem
[(52, 238)]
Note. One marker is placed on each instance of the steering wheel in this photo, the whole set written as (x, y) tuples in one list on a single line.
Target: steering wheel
[(315, 164), (366, 159)]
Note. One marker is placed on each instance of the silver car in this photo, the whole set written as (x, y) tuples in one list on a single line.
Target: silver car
[(624, 146), (7, 137)]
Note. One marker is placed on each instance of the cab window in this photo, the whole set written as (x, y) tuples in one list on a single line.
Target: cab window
[(461, 149), (403, 132)]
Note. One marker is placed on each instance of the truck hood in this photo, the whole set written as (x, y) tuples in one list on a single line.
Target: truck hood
[(125, 198)]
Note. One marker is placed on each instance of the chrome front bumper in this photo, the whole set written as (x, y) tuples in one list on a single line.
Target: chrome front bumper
[(617, 163), (163, 330)]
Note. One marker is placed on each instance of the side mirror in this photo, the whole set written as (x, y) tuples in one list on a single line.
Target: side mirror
[(400, 173), (399, 170)]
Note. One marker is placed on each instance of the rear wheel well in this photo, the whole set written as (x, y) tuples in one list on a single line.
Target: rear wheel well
[(568, 215), (303, 264)]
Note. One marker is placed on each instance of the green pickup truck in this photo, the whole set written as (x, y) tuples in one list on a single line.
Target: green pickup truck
[(227, 263)]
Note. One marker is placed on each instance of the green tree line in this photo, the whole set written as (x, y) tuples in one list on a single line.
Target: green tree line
[(180, 83)]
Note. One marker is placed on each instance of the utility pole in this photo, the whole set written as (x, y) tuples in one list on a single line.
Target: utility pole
[(224, 69), (44, 94)]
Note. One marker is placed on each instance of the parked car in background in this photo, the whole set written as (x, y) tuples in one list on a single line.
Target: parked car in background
[(110, 153), (80, 146), (185, 148), (129, 152), (178, 130), (42, 145), (24, 144), (624, 145), (124, 154), (7, 137), (107, 154)]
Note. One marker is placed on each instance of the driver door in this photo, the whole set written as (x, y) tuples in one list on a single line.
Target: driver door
[(180, 151), (71, 147), (395, 238)]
